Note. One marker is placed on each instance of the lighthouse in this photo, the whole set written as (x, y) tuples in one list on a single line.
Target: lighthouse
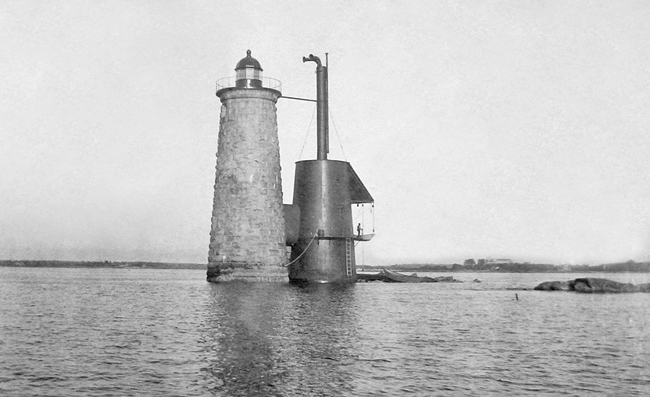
[(247, 236)]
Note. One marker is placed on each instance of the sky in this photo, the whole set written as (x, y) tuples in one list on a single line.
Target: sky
[(483, 129)]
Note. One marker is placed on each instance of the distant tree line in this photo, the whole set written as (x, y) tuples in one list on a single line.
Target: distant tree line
[(513, 267), (629, 266), (101, 264)]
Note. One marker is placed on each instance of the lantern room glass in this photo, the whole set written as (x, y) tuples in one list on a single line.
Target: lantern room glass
[(248, 77)]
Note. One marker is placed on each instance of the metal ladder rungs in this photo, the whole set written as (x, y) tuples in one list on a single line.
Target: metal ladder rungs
[(348, 257)]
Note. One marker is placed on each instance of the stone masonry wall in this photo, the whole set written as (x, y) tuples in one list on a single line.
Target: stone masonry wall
[(247, 238)]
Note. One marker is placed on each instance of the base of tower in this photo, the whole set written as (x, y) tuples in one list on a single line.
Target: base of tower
[(228, 272)]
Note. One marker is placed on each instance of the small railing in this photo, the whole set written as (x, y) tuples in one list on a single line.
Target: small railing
[(267, 82)]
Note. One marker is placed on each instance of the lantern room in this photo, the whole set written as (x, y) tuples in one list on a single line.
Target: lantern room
[(249, 72)]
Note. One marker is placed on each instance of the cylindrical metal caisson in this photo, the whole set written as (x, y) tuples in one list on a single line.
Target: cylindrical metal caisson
[(325, 248)]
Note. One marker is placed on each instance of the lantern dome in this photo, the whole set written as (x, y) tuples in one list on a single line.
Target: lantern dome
[(248, 62)]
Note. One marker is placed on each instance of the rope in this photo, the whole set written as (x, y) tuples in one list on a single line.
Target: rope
[(337, 135), (307, 134), (303, 251)]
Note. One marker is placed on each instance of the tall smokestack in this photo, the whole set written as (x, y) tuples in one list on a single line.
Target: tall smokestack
[(322, 116)]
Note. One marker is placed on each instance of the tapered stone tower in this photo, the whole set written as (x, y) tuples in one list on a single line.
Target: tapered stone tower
[(247, 238)]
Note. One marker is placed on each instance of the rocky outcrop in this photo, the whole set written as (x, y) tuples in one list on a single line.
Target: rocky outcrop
[(395, 277), (443, 279), (553, 286), (592, 285), (603, 285)]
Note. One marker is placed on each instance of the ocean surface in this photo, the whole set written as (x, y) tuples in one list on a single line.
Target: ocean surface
[(128, 332)]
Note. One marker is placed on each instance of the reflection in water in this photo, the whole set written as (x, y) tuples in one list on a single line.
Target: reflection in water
[(279, 339), (80, 332)]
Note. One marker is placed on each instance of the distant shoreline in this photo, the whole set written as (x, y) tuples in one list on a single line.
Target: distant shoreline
[(102, 265), (626, 267), (623, 267)]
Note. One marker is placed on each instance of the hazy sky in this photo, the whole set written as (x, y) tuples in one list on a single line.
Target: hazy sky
[(516, 129)]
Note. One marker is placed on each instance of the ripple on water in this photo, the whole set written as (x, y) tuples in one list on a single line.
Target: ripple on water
[(78, 332)]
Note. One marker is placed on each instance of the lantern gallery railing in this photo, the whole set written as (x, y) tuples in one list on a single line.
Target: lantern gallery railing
[(267, 82)]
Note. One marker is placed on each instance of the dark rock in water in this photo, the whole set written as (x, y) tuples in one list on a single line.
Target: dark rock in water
[(603, 285), (592, 285), (554, 286), (444, 279)]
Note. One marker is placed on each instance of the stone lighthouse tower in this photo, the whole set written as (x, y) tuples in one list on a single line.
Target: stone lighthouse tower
[(247, 237)]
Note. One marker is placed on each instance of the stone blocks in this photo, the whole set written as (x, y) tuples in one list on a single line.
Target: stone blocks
[(247, 237)]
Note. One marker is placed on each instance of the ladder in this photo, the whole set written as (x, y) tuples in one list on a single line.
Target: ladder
[(349, 260)]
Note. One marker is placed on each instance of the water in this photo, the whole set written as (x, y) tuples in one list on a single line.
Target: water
[(81, 332)]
